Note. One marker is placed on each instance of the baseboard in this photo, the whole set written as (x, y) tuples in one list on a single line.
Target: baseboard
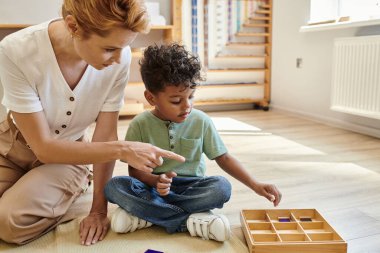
[(331, 122)]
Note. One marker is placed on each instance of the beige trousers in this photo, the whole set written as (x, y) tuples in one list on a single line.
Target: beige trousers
[(34, 197)]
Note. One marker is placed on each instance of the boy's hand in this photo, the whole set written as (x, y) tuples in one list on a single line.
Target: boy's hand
[(270, 192), (164, 182)]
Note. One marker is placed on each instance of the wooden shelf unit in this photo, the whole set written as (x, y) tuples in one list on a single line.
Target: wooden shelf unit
[(173, 32), (259, 93), (268, 64), (249, 50)]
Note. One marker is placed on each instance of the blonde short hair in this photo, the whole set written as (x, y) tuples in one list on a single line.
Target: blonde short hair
[(100, 16)]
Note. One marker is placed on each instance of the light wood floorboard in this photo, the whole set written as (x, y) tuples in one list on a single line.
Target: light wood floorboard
[(314, 165)]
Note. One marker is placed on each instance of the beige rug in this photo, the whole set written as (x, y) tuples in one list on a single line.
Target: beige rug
[(65, 239)]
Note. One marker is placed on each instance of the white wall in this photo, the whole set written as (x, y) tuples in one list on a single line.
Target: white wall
[(29, 12), (25, 12), (37, 11), (306, 90)]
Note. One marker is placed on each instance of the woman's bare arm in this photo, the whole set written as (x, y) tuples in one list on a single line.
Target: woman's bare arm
[(35, 129)]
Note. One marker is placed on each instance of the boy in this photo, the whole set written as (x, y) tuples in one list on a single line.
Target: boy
[(177, 196)]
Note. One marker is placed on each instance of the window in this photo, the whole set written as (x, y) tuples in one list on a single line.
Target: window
[(324, 10)]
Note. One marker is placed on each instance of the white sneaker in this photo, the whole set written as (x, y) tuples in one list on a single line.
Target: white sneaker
[(209, 226), (124, 222)]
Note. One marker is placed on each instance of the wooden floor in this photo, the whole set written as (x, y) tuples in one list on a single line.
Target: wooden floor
[(314, 165)]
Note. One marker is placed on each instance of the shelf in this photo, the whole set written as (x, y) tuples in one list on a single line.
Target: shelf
[(134, 108), (236, 70), (266, 6), (240, 34), (263, 12), (137, 54), (131, 107), (13, 26), (226, 101), (241, 56), (162, 27), (21, 26), (339, 25), (247, 44), (205, 86), (255, 25)]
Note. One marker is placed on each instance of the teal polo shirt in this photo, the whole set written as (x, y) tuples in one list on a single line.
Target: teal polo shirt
[(192, 138)]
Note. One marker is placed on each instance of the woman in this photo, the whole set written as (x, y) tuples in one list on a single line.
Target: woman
[(58, 78)]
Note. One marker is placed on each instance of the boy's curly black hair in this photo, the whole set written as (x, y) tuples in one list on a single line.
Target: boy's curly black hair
[(166, 65)]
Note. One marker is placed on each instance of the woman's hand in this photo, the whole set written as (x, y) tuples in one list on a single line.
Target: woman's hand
[(93, 228), (146, 157), (270, 192), (164, 182)]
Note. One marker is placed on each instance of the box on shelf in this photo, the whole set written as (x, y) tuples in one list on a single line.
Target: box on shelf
[(154, 13)]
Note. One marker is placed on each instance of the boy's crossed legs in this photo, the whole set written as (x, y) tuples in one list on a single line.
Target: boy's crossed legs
[(185, 208)]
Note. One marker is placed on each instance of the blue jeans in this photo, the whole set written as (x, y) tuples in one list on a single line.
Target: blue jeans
[(187, 195)]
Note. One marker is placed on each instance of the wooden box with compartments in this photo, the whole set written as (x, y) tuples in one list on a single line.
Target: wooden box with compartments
[(290, 230)]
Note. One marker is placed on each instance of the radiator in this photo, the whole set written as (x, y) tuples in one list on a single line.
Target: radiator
[(356, 76)]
